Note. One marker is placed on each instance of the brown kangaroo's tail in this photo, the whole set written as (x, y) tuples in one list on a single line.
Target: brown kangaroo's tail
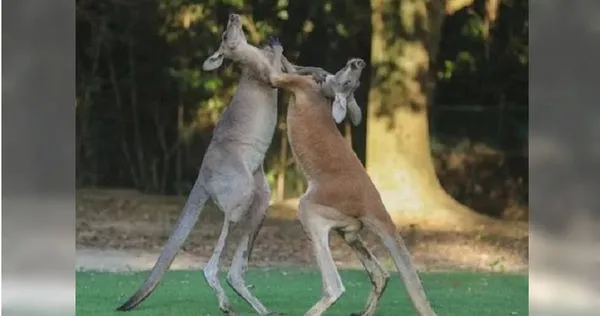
[(186, 222), (380, 222)]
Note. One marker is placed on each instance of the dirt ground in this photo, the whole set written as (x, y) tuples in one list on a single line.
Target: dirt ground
[(126, 229)]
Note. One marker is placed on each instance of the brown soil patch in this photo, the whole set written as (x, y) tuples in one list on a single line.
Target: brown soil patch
[(128, 220)]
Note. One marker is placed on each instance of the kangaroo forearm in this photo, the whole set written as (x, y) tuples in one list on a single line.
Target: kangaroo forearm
[(308, 70), (302, 70)]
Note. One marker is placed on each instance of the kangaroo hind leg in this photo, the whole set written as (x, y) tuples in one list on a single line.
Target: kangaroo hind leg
[(252, 224), (317, 221), (377, 274), (233, 191)]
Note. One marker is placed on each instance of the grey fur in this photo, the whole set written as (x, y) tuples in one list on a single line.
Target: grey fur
[(231, 174)]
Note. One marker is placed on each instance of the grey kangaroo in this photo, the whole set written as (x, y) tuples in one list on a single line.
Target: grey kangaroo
[(231, 174)]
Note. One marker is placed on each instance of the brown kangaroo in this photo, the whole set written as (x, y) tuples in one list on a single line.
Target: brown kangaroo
[(340, 195)]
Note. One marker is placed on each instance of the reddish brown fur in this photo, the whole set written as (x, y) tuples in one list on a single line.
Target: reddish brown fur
[(336, 175)]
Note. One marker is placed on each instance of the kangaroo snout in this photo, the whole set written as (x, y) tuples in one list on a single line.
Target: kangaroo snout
[(357, 63), (234, 18)]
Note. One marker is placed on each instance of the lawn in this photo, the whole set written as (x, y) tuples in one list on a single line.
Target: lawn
[(293, 291)]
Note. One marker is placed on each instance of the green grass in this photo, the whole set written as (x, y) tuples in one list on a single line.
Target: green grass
[(293, 291)]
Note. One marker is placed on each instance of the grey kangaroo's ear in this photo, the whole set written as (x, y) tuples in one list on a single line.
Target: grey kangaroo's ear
[(338, 108), (354, 111), (214, 61)]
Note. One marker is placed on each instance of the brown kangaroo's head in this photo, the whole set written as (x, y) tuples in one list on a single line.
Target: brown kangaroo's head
[(343, 84), (232, 39)]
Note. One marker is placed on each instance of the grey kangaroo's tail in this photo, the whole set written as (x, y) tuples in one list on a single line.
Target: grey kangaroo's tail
[(188, 218)]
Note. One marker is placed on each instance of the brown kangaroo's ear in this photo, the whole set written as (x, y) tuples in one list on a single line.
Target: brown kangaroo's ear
[(354, 111), (338, 108)]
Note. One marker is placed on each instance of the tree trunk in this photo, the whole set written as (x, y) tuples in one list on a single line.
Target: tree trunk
[(404, 45)]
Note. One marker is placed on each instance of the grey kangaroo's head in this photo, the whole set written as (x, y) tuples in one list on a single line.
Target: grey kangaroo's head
[(232, 39), (344, 82)]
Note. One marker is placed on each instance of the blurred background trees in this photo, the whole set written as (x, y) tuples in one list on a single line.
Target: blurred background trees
[(444, 94)]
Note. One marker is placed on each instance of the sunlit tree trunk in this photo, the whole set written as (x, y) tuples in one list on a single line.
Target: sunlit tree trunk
[(405, 41)]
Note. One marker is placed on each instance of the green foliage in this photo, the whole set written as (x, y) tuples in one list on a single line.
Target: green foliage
[(466, 62), (473, 28), (484, 70), (145, 109), (479, 69)]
